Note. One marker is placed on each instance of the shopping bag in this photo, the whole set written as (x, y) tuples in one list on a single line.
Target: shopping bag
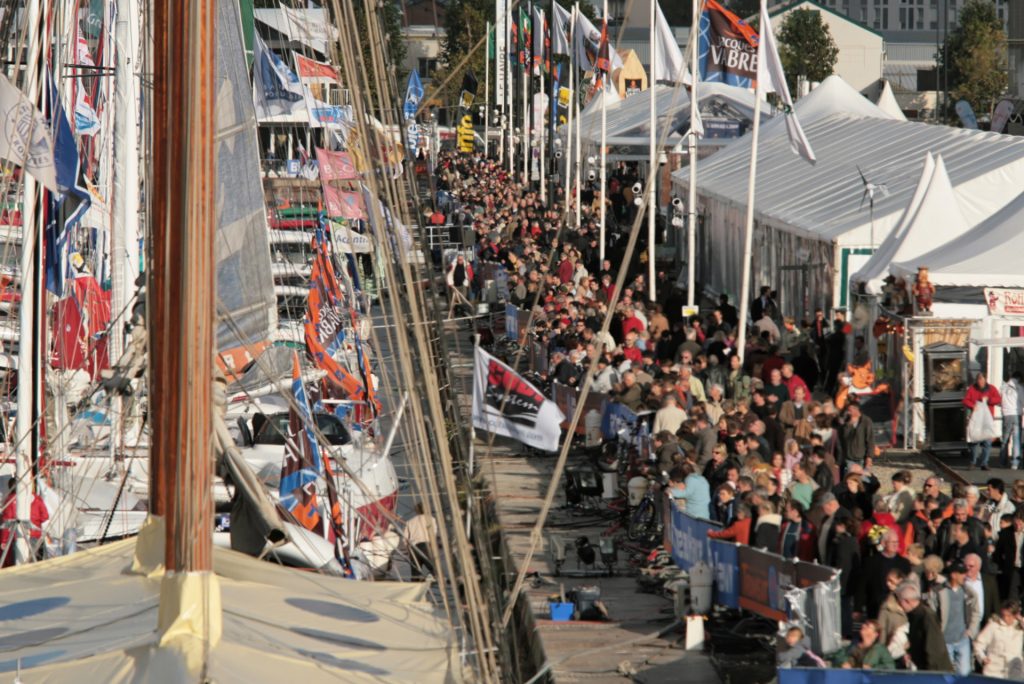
[(981, 427)]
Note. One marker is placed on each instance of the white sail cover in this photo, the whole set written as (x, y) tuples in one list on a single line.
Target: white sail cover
[(85, 618), (246, 305)]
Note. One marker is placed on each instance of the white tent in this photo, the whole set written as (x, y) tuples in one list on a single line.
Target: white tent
[(629, 121), (887, 102), (811, 230), (933, 218), (988, 255), (87, 618)]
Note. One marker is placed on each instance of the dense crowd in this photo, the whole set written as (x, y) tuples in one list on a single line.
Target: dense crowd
[(772, 443)]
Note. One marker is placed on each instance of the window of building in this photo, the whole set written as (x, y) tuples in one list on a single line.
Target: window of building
[(426, 67)]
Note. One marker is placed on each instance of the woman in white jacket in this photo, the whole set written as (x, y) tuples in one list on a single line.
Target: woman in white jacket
[(998, 648)]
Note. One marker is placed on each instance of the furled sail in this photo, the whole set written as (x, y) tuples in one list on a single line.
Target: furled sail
[(246, 305)]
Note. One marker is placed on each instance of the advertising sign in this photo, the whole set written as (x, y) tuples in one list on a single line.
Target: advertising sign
[(1003, 302), (762, 578), (727, 47)]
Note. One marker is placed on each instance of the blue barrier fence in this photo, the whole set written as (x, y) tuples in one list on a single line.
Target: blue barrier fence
[(819, 676)]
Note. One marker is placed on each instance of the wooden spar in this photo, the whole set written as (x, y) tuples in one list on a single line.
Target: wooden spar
[(182, 279)]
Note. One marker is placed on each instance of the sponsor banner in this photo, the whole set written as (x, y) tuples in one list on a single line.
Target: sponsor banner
[(726, 563), (25, 138), (807, 675), (1003, 302), (336, 165), (312, 71), (690, 542), (348, 241), (500, 50), (505, 404), (762, 578), (727, 48)]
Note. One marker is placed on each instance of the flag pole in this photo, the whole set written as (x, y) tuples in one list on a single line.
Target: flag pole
[(541, 159), (526, 108), (511, 95), (748, 229), (691, 150), (604, 128), (652, 174), (579, 142), (487, 91), (572, 90)]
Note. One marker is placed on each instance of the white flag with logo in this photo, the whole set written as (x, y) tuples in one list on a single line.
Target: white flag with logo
[(507, 405), (772, 79), (25, 138)]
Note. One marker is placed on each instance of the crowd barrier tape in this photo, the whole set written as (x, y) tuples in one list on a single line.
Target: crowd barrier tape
[(837, 676)]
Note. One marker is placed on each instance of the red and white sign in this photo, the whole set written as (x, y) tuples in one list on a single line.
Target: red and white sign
[(342, 204), (1003, 302), (313, 71)]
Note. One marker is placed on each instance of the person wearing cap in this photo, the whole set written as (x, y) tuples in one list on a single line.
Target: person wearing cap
[(956, 606)]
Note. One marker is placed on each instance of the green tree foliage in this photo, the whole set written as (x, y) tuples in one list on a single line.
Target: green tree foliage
[(465, 23), (806, 47), (973, 62)]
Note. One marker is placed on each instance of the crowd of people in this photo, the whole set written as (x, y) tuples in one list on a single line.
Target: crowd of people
[(770, 441)]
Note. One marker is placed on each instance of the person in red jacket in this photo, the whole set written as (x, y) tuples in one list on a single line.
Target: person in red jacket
[(739, 531), (981, 391), (37, 515)]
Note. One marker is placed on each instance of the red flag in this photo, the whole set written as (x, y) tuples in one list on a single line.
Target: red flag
[(80, 321), (343, 204), (336, 165)]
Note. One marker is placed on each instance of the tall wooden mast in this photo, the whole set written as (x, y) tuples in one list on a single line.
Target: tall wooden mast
[(181, 304)]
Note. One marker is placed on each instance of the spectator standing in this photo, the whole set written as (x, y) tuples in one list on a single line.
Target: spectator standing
[(1007, 558), (999, 504), (797, 539), (959, 617), (983, 584), (857, 438), (926, 648), (998, 647), (767, 527), (1012, 400), (843, 554), (981, 392), (876, 570)]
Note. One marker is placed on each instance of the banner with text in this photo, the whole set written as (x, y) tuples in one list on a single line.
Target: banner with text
[(727, 47), (505, 404), (1003, 302)]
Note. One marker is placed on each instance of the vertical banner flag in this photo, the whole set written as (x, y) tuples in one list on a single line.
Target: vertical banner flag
[(603, 63), (315, 77), (323, 325), (539, 40), (413, 95), (468, 94), (86, 120), (560, 30), (525, 37), (277, 91), (303, 464), (63, 210), (507, 405), (772, 79), (727, 47), (500, 48)]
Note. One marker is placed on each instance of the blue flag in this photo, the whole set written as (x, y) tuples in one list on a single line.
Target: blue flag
[(276, 89), (413, 96), (63, 211)]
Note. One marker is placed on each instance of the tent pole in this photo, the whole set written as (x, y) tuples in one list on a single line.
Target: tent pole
[(691, 149), (604, 135)]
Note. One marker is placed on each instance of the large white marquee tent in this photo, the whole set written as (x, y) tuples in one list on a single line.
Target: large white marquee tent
[(812, 229)]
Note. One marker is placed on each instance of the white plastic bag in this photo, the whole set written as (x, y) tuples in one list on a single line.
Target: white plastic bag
[(981, 427)]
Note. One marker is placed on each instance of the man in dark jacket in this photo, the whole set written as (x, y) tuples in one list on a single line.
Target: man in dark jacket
[(926, 648), (1007, 558), (857, 438), (844, 555), (976, 529)]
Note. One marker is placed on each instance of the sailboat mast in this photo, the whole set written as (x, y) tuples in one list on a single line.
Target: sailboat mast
[(181, 280), (29, 349)]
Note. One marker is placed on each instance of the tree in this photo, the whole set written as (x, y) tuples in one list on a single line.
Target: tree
[(806, 47), (973, 61), (465, 23)]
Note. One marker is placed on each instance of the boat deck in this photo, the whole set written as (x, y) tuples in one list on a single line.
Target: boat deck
[(626, 645)]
